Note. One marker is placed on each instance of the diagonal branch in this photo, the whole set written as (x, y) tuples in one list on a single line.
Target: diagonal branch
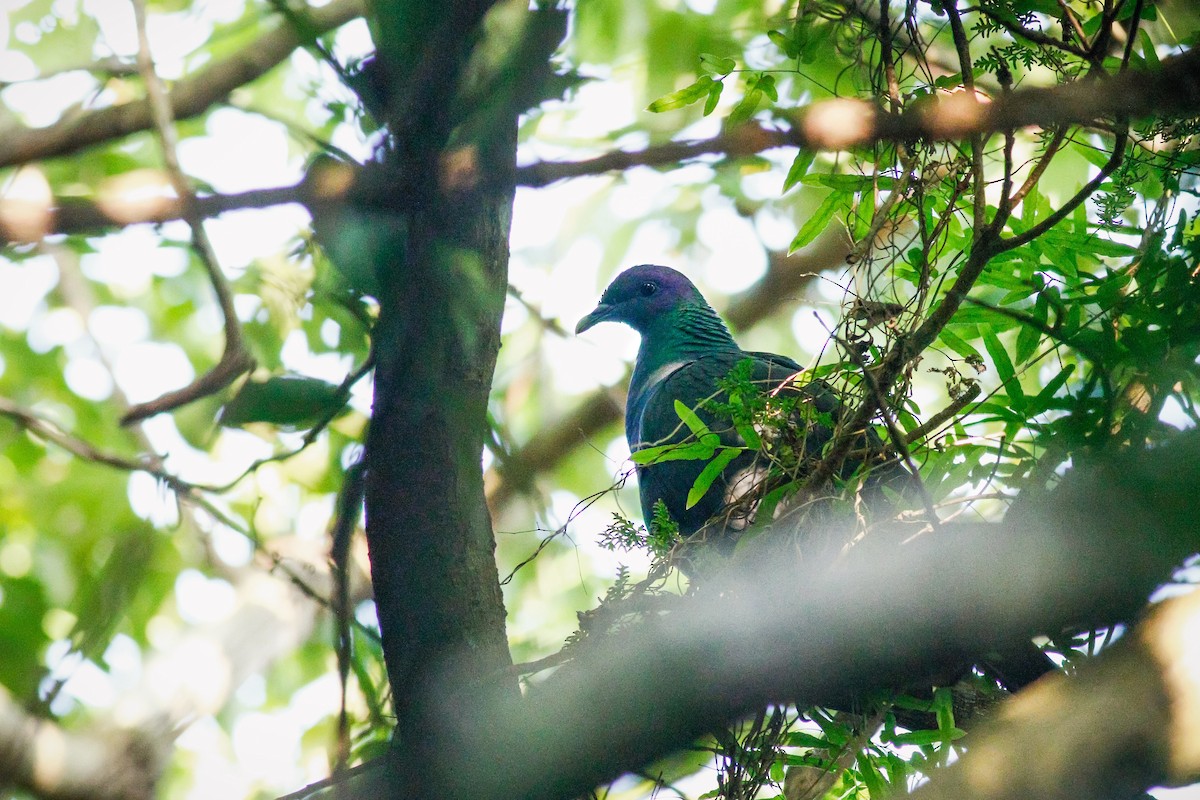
[(58, 764), (235, 359), (190, 97)]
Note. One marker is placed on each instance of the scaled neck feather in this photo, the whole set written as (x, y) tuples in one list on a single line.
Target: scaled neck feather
[(672, 340), (688, 332)]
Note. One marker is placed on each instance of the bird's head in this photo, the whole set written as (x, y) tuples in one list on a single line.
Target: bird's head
[(640, 295)]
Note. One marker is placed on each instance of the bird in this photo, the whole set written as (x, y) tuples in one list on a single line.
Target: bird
[(686, 352)]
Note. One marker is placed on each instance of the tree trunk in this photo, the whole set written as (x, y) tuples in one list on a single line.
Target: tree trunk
[(442, 291), (432, 552)]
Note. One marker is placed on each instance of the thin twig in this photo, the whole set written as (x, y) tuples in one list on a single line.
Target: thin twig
[(963, 47), (1039, 168), (1036, 37), (1064, 211), (235, 359), (920, 433), (49, 431), (1075, 26), (896, 436)]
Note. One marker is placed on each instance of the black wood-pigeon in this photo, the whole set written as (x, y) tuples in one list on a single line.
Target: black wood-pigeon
[(686, 352)]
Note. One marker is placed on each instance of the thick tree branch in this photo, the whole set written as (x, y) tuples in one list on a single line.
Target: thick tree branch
[(1125, 722), (827, 125), (55, 764), (190, 97), (1086, 554)]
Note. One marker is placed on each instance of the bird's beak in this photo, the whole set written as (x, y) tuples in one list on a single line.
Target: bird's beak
[(599, 314)]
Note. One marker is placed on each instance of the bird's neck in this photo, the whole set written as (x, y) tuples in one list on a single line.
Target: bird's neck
[(688, 333)]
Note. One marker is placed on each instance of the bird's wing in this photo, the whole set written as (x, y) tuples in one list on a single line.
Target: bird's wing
[(660, 423), (800, 436)]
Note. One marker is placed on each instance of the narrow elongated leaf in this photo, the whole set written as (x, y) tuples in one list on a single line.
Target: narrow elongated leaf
[(957, 344), (802, 739), (1042, 401), (1004, 368), (852, 183), (694, 423), (684, 97), (925, 738), (710, 473), (749, 435), (800, 166), (1030, 336), (871, 776), (700, 450), (943, 704), (714, 97), (819, 220), (746, 107)]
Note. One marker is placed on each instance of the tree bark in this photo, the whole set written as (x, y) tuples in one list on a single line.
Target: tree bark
[(442, 283)]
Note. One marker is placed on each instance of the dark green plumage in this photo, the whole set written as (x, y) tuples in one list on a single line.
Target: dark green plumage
[(686, 352)]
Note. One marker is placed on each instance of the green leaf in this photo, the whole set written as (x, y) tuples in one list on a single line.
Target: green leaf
[(1030, 336), (837, 733), (802, 739), (716, 65), (745, 107), (749, 435), (871, 776), (689, 417), (714, 97), (766, 84), (926, 738), (711, 471), (684, 97), (957, 344), (943, 704), (1042, 401), (1004, 368), (685, 451), (1149, 54), (285, 400), (851, 183), (784, 43), (1027, 341), (819, 220), (800, 166)]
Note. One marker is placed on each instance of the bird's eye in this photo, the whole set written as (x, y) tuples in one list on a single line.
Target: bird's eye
[(647, 289)]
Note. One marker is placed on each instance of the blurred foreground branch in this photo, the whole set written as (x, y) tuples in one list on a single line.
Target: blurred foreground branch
[(55, 764), (1128, 720), (836, 124), (1085, 554)]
